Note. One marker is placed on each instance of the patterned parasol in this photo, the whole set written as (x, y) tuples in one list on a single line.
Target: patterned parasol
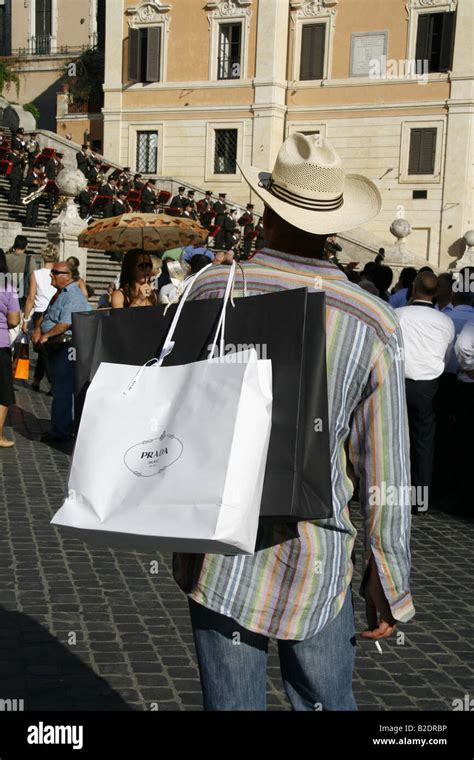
[(150, 232)]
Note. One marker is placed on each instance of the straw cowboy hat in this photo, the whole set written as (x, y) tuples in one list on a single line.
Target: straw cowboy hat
[(310, 189)]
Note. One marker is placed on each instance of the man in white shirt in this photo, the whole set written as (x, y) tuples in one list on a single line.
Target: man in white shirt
[(428, 336)]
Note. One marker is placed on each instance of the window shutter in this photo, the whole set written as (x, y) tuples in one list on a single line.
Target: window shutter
[(415, 148), (428, 150), (133, 55), (447, 42), (312, 51), (153, 57), (422, 151), (422, 37)]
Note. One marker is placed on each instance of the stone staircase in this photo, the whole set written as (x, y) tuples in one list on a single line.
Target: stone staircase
[(101, 269)]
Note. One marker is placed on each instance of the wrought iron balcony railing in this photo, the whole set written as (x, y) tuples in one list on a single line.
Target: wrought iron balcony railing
[(45, 45)]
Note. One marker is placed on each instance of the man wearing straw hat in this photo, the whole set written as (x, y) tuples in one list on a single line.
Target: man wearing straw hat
[(298, 590)]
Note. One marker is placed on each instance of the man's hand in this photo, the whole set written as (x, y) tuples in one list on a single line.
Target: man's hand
[(36, 335), (380, 621), (24, 327), (43, 339)]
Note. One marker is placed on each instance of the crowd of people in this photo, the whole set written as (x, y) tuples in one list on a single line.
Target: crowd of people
[(112, 192), (122, 191), (400, 369), (27, 165), (437, 332), (436, 315)]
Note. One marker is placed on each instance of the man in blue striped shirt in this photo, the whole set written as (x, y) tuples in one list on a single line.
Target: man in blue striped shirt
[(296, 587)]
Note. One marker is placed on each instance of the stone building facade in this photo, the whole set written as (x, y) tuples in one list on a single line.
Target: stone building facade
[(192, 88), (40, 37)]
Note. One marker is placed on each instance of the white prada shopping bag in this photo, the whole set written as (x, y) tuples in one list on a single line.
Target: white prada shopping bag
[(173, 458)]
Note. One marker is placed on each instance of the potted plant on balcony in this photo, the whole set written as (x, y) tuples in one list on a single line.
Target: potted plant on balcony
[(85, 88)]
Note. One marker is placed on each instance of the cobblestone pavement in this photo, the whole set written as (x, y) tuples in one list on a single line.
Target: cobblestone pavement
[(84, 628)]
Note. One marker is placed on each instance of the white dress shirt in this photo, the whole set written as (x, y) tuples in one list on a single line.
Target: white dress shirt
[(464, 350), (428, 336)]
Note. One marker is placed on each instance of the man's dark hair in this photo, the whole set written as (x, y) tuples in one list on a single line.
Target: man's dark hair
[(425, 284), (425, 269), (369, 269), (407, 276), (382, 277), (446, 277), (3, 262), (21, 241), (198, 262), (83, 147)]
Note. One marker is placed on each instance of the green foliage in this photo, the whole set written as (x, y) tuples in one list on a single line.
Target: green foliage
[(8, 76), (86, 85), (33, 110)]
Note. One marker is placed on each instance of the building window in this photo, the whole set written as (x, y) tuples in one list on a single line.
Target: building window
[(225, 151), (3, 30), (229, 62), (147, 152), (313, 38), (422, 151), (435, 40), (43, 27), (144, 55)]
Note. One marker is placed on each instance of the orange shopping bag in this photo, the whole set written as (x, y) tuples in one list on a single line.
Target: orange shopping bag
[(21, 359)]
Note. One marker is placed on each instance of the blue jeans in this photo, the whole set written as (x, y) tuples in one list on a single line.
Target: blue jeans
[(62, 383), (316, 672)]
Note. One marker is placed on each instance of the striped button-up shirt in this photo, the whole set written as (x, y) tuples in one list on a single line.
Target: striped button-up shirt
[(296, 581)]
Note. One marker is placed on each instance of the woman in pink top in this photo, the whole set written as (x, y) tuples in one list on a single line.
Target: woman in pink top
[(9, 317)]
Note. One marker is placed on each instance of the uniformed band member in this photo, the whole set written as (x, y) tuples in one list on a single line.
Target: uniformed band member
[(229, 226), (219, 209), (137, 182), (189, 200), (86, 164), (147, 205), (32, 149), (33, 181), (15, 177), (86, 199), (179, 200), (247, 222), (116, 206), (52, 168), (189, 212), (18, 140), (124, 179), (108, 188), (205, 210)]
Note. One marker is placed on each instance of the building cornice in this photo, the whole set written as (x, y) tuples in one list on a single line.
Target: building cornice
[(416, 104)]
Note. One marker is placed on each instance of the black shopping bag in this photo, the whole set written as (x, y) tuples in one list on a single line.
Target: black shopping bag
[(287, 327)]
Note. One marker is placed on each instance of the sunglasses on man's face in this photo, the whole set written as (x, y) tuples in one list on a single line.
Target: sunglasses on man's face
[(145, 265), (59, 271)]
